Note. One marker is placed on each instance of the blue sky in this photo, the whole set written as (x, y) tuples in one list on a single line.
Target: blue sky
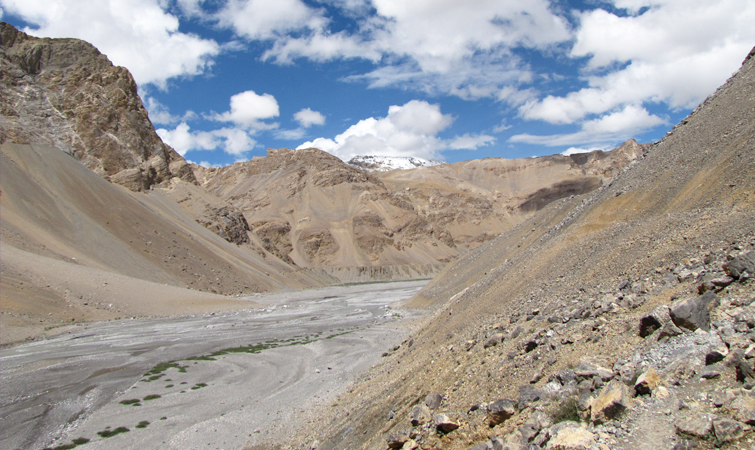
[(223, 80)]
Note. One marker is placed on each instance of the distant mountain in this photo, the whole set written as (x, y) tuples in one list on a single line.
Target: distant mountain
[(386, 163), (308, 207)]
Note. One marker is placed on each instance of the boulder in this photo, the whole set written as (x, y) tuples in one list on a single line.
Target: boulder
[(613, 400), (591, 366), (500, 411), (397, 439), (692, 313), (727, 430), (744, 409), (696, 425), (654, 320), (647, 382), (571, 438), (420, 415), (669, 330), (740, 265)]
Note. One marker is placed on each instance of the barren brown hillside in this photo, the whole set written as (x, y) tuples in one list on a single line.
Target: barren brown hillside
[(546, 317), (310, 208)]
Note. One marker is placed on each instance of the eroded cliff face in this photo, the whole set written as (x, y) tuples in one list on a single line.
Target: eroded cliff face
[(66, 94)]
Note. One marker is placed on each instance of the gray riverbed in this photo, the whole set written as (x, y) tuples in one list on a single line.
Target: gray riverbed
[(159, 378)]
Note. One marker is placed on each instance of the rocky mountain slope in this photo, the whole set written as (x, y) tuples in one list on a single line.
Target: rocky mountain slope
[(616, 319), (310, 208), (65, 94)]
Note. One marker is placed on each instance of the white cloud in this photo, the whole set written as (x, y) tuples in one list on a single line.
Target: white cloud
[(677, 53), (578, 150), (233, 141), (408, 130), (470, 142), (608, 129), (248, 109), (306, 118), (262, 19), (136, 34), (438, 47)]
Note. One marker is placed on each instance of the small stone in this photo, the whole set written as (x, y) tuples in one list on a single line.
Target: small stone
[(493, 340), (411, 444), (420, 415), (711, 372), (433, 401), (445, 422), (500, 411), (661, 392)]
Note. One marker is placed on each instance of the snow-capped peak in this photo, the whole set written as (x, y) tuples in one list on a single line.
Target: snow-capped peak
[(386, 163)]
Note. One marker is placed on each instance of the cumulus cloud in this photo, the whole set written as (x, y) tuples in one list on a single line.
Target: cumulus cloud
[(676, 52), (262, 19), (136, 34), (248, 109), (408, 130), (607, 129), (233, 141), (306, 118)]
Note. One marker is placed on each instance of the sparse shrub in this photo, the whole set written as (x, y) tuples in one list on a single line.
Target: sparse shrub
[(142, 424), (152, 397), (106, 433), (565, 410)]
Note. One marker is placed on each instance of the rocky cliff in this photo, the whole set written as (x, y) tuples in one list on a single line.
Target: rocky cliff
[(66, 94)]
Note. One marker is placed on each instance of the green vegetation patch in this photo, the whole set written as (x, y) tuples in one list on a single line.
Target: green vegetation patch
[(142, 424), (152, 397), (106, 433), (133, 401), (198, 386), (75, 443)]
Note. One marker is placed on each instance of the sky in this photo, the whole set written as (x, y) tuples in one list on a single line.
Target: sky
[(449, 80)]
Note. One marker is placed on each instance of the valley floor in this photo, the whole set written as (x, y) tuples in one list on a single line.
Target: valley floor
[(225, 380)]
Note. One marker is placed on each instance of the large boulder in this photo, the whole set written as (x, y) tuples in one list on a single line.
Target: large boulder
[(500, 411)]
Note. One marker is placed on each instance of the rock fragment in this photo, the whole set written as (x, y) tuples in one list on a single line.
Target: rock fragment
[(500, 411), (613, 400), (647, 382)]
